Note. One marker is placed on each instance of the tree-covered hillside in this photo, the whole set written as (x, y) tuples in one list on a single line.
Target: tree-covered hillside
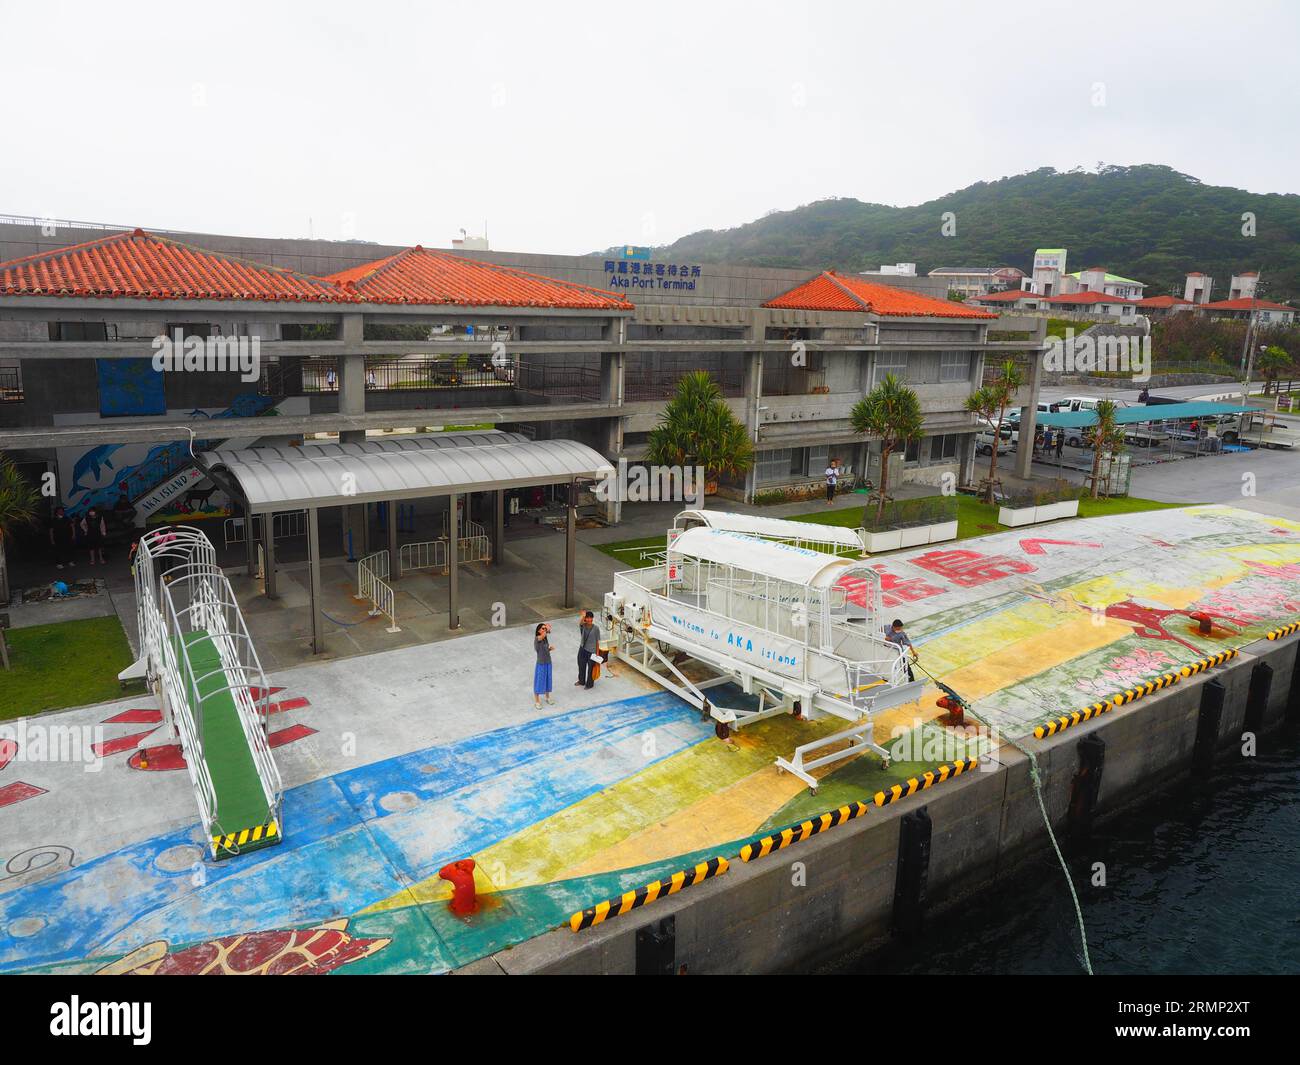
[(1146, 222)]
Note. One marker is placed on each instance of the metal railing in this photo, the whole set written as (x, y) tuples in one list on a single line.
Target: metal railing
[(559, 382), (372, 577), (11, 384), (409, 373), (426, 554), (284, 525)]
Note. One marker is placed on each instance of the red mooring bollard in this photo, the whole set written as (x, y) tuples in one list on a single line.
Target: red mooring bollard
[(955, 709), (460, 875), (1204, 623)]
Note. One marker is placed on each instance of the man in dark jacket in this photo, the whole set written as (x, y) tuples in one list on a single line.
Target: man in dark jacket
[(588, 645)]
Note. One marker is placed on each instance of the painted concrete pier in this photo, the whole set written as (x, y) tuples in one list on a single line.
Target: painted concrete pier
[(399, 763)]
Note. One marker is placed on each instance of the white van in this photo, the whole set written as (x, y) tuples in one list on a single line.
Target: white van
[(1084, 402)]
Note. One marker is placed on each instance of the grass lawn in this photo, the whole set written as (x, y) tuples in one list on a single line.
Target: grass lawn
[(68, 664), (973, 519)]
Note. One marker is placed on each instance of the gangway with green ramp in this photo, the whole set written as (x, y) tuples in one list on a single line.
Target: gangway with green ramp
[(198, 658)]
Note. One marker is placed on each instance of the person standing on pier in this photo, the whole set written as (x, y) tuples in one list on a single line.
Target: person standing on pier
[(899, 638), (542, 671), (588, 645)]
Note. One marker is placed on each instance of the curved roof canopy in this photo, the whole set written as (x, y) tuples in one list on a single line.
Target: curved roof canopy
[(271, 482), (405, 442), (766, 558), (774, 528)]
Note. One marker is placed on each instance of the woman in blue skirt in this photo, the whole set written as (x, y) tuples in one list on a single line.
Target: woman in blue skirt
[(542, 671)]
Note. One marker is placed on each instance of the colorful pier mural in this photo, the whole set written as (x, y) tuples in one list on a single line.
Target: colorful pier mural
[(397, 764)]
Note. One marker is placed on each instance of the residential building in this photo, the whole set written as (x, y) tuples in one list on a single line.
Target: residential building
[(1263, 311), (979, 280)]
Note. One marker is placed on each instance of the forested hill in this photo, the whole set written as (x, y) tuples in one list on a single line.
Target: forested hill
[(1146, 222)]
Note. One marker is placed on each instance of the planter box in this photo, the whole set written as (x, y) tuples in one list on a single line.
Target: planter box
[(1014, 518), (893, 539)]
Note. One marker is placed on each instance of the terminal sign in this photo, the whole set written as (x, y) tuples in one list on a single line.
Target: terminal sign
[(668, 277)]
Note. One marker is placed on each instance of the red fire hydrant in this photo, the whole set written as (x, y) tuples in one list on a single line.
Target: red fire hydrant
[(460, 874)]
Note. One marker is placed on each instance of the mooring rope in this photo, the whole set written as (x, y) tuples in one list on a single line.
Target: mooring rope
[(1037, 780)]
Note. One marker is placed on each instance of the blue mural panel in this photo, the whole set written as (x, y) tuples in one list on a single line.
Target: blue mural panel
[(129, 387)]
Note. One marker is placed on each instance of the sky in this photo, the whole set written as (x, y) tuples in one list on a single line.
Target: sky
[(570, 127)]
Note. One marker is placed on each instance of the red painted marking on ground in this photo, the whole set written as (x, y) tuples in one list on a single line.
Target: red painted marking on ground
[(289, 735), (162, 759), (120, 744), (1036, 547), (257, 692), (17, 792), (970, 569), (287, 704), (8, 748), (135, 717)]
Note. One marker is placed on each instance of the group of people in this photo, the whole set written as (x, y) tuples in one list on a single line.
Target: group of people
[(68, 534), (589, 658), (1046, 440)]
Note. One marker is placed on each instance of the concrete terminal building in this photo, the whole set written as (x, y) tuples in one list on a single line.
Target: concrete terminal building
[(358, 337)]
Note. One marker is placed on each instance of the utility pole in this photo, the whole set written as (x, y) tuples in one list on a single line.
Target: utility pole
[(1248, 356)]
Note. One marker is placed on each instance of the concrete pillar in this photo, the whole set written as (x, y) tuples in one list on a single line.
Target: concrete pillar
[(612, 374), (394, 558), (755, 332), (499, 527), (570, 542), (352, 400), (250, 545), (313, 552), (453, 565), (966, 469), (1029, 420), (268, 554)]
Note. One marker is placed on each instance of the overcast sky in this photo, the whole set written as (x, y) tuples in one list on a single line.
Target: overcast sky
[(570, 127)]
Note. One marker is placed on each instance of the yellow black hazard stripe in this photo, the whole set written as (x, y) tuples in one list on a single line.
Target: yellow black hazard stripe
[(232, 841), (761, 848), (643, 896), (1130, 695), (927, 780), (1285, 630)]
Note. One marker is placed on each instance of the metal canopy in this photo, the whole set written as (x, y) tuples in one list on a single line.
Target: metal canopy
[(766, 558), (362, 473), (407, 442), (759, 526), (1156, 412)]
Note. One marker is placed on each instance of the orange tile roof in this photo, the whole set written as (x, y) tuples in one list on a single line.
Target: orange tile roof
[(419, 276), (1245, 305), (146, 266), (831, 291)]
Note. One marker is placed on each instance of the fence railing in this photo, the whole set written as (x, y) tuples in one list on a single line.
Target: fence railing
[(11, 384), (567, 382), (410, 373), (284, 525), (426, 554), (372, 585)]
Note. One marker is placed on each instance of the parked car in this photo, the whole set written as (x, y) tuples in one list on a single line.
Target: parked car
[(984, 443)]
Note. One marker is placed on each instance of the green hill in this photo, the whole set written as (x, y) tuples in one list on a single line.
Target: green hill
[(1146, 222)]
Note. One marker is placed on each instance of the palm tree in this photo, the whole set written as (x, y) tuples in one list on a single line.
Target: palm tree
[(697, 428), (892, 412), (990, 403), (1107, 436), (19, 501), (1273, 363), (19, 504)]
